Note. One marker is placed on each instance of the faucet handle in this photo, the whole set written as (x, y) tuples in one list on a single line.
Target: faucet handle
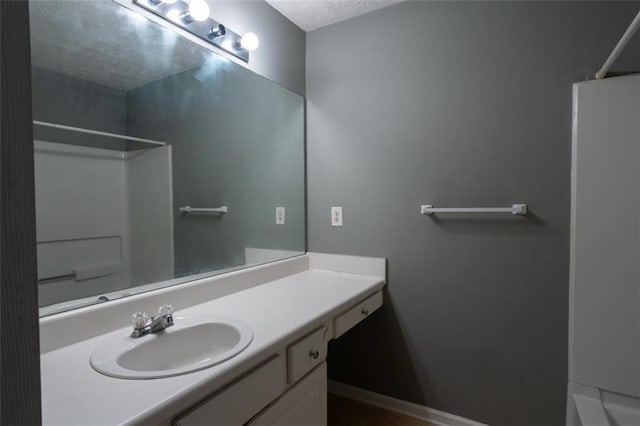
[(164, 310), (139, 320)]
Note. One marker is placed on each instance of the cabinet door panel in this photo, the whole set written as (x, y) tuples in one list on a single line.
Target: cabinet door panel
[(235, 404), (304, 404)]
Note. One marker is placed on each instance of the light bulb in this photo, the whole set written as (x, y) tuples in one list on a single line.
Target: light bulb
[(174, 15), (249, 41), (198, 10)]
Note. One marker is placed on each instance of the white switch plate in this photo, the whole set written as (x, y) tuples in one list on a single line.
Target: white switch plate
[(280, 215), (336, 216)]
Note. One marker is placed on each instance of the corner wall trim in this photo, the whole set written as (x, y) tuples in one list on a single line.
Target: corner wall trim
[(433, 416)]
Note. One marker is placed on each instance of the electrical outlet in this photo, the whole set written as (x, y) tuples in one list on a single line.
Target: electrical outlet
[(279, 215), (336, 216)]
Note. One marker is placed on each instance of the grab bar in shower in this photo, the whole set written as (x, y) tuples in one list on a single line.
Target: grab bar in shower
[(83, 273), (519, 209), (189, 209)]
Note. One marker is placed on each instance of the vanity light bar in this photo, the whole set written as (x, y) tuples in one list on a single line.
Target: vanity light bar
[(193, 16)]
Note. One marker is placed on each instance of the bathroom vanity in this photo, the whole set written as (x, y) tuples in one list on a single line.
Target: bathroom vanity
[(293, 306)]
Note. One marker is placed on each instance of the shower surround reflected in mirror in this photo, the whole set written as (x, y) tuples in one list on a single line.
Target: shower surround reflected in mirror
[(132, 122)]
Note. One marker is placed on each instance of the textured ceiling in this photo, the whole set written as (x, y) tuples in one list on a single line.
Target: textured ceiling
[(102, 42), (313, 14)]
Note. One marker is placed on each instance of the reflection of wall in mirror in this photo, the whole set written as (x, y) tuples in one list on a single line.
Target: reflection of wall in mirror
[(61, 99), (238, 141)]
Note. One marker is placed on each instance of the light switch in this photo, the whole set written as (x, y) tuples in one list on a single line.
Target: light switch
[(336, 216), (279, 215)]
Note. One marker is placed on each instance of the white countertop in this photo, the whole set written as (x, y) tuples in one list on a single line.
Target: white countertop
[(278, 311)]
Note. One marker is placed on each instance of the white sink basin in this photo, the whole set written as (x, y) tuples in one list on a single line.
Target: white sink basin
[(191, 344)]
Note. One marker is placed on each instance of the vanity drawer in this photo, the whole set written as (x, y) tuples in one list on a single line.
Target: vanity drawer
[(306, 353), (356, 314), (242, 399)]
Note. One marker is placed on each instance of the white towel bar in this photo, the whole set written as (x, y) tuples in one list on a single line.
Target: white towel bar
[(189, 209), (520, 209)]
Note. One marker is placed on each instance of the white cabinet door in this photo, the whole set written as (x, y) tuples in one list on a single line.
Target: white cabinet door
[(605, 236), (238, 402), (304, 404)]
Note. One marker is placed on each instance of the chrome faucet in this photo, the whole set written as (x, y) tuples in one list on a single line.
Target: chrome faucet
[(143, 325)]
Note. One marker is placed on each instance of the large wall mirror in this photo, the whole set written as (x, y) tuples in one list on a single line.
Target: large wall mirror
[(133, 124)]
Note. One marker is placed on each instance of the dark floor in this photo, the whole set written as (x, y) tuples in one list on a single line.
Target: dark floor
[(347, 412)]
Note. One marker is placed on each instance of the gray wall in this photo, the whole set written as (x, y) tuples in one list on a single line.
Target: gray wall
[(280, 56), (238, 140), (456, 104), (62, 99)]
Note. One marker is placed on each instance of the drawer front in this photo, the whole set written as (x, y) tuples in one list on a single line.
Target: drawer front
[(305, 354), (353, 316), (241, 400)]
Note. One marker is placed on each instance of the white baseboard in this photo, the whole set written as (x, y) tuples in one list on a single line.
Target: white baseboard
[(433, 416)]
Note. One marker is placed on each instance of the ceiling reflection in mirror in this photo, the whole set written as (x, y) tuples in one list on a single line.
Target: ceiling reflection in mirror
[(157, 161)]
